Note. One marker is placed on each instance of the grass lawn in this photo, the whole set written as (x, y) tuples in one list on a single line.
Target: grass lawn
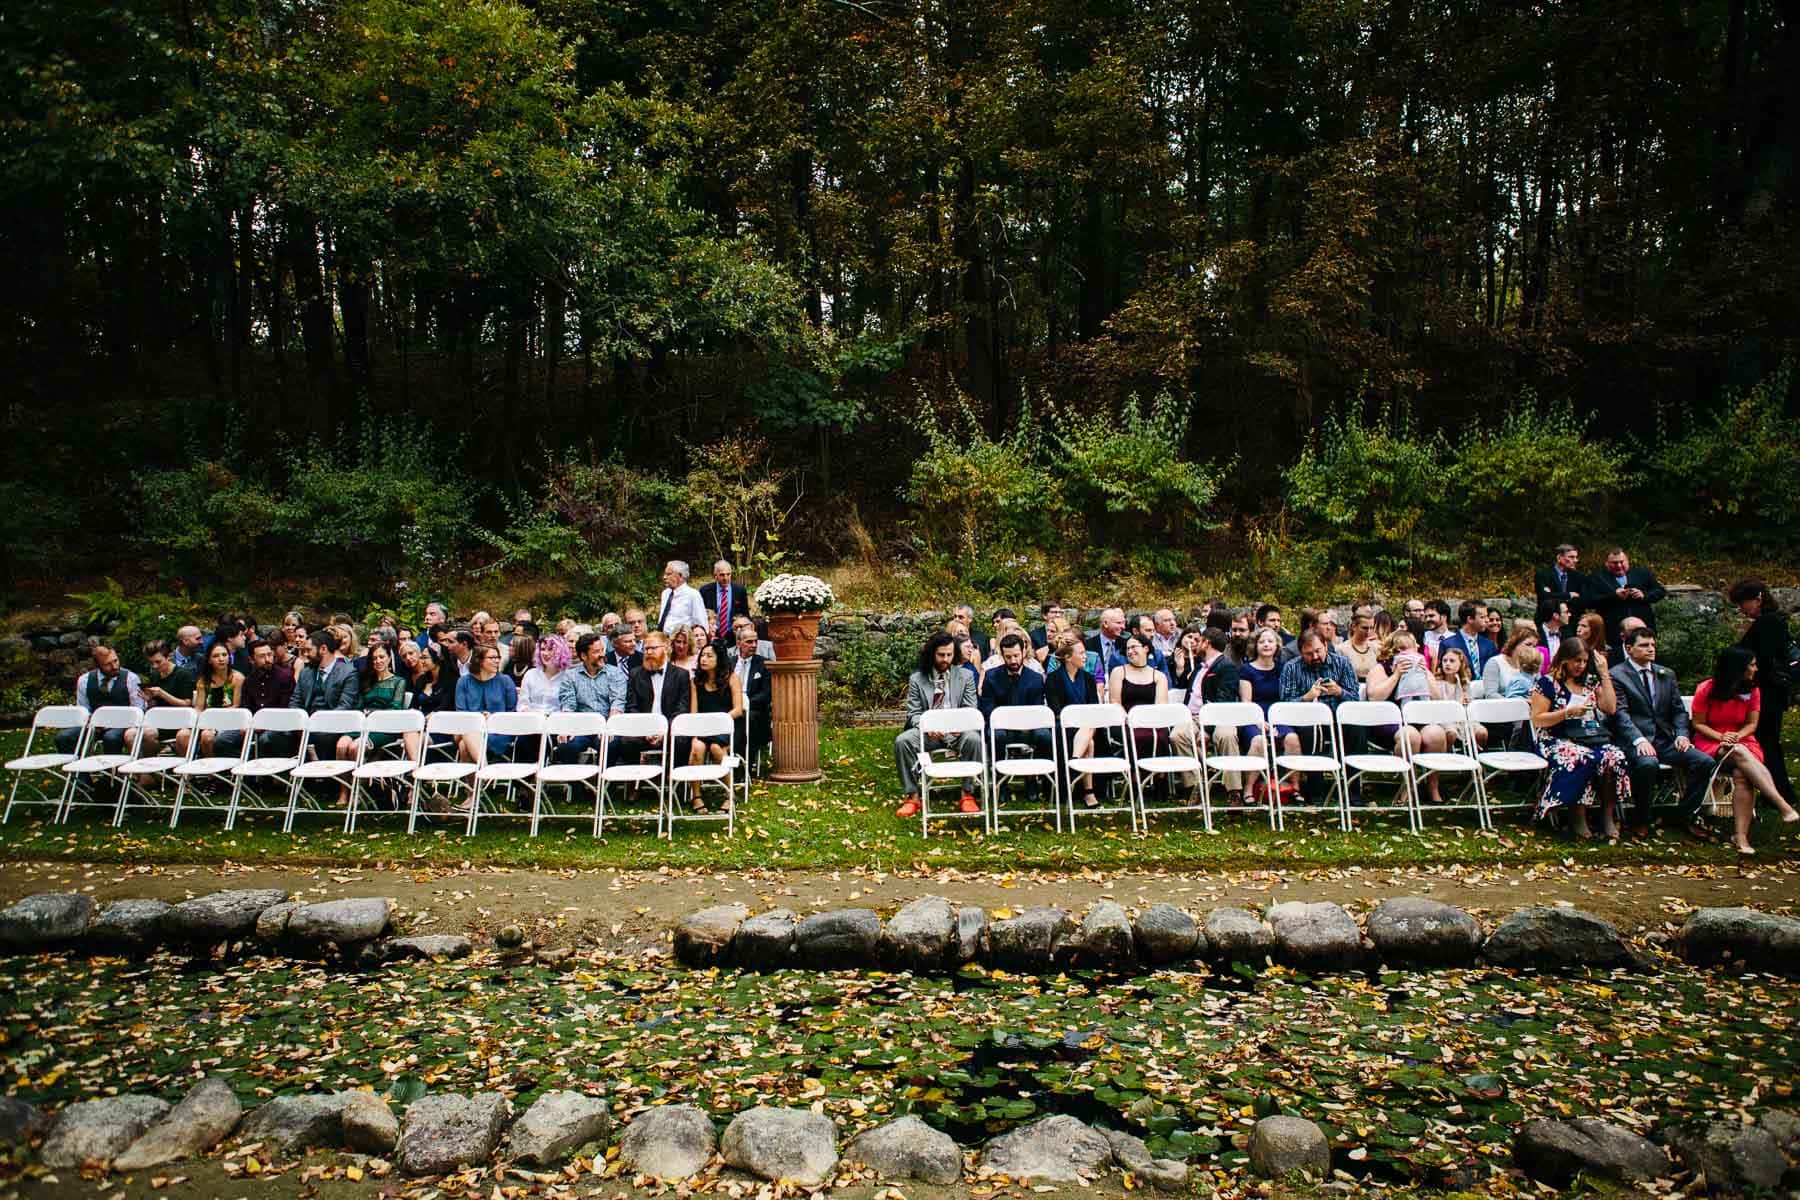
[(846, 821)]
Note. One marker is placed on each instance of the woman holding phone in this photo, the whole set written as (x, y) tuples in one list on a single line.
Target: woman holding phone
[(1566, 712)]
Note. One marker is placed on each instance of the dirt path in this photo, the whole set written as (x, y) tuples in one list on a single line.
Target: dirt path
[(623, 909)]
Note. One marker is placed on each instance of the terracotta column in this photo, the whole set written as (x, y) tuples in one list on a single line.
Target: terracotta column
[(795, 705)]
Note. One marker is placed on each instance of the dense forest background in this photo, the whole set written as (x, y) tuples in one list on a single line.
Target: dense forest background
[(402, 288)]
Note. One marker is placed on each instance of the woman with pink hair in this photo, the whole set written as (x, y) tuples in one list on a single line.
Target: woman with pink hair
[(539, 688)]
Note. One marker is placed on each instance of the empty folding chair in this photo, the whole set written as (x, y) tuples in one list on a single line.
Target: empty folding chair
[(1448, 715), (952, 723), (231, 725), (1161, 721), (695, 776), (276, 740), (1358, 766), (35, 763), (637, 727), (570, 775), (1237, 715), (167, 724), (515, 771), (391, 764), (452, 772), (324, 765), (1314, 715), (1103, 720), (85, 772), (1506, 761), (1030, 768)]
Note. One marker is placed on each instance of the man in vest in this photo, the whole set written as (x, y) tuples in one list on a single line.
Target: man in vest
[(106, 684)]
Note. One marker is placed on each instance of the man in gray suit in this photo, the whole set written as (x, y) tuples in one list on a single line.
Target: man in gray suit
[(327, 681), (1653, 724), (937, 683)]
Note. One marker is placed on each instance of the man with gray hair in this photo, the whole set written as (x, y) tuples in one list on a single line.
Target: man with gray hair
[(680, 606)]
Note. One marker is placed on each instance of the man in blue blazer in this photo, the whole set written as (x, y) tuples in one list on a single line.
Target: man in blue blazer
[(1009, 684), (1476, 646)]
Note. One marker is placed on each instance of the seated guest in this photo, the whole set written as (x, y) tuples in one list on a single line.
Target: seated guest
[(700, 635), (565, 629), (290, 621), (540, 688), (1551, 626), (751, 668), (327, 682), (968, 656), (1362, 648), (624, 653), (725, 601), (683, 650), (1384, 625), (1239, 649), (1146, 629), (462, 649), (1403, 673), (764, 647), (382, 691), (1591, 631), (1216, 682), (637, 623), (294, 648), (220, 685), (679, 607), (521, 624), (1135, 683), (434, 682), (106, 684), (1184, 660), (1165, 634), (1109, 642), (1656, 731), (168, 686), (1318, 673), (1041, 636), (485, 629), (1497, 676), (435, 614), (486, 689), (1017, 680), (1070, 681), (966, 614), (716, 690), (1622, 590), (658, 686), (1259, 682), (934, 684), (1437, 625), (406, 656), (1560, 585), (1726, 710), (269, 685), (521, 657), (1496, 626), (1268, 616), (1005, 627), (609, 625), (590, 685), (1471, 638), (1566, 712), (188, 642)]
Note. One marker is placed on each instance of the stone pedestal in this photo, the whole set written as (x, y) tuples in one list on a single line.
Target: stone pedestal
[(795, 707)]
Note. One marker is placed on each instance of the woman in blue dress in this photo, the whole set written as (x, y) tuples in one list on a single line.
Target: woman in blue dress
[(1259, 681), (1585, 765)]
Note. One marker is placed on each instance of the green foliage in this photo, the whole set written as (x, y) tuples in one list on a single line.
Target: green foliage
[(1689, 638), (976, 497), (1366, 487), (203, 517), (135, 617), (1736, 462), (870, 672), (740, 497), (1533, 477), (38, 524)]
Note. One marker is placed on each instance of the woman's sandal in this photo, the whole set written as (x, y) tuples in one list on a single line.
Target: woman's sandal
[(1091, 800)]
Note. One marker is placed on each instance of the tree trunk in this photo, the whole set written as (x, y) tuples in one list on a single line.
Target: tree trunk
[(301, 240)]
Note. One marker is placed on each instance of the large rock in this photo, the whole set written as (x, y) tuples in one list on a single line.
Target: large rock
[(1416, 931), (1762, 941), (557, 1124), (1238, 935), (444, 1132), (1782, 1125), (703, 937), (670, 1143), (46, 921), (845, 937), (908, 1148), (97, 1130), (795, 1144), (1103, 940), (292, 1123), (970, 941), (1057, 1149), (341, 922), (201, 1121), (428, 945), (1028, 941), (1166, 934), (128, 926), (369, 1125), (1736, 1159), (20, 1121), (766, 941), (1163, 1174), (1319, 936), (272, 922), (1554, 1152), (1556, 938), (1280, 1145), (220, 917), (919, 936)]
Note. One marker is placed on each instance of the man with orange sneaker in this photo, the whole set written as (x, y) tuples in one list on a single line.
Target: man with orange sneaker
[(937, 682)]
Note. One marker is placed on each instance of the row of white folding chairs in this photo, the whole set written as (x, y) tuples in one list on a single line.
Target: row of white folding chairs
[(81, 769), (1138, 770)]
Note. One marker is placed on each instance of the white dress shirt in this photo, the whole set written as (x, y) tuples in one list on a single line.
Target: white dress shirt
[(681, 609), (539, 693)]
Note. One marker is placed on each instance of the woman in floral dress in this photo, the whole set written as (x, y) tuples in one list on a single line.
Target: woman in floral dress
[(1584, 764)]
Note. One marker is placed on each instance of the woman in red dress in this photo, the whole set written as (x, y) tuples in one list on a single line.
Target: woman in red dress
[(1726, 709)]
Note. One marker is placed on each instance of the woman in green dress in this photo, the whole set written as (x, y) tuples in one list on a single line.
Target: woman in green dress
[(381, 689), (219, 686)]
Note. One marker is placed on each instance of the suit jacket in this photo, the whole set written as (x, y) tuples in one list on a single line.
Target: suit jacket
[(1615, 608), (1060, 691), (999, 689), (1551, 591), (630, 663), (338, 689), (709, 596), (1477, 654), (959, 693), (1118, 645), (677, 692), (1661, 720), (759, 688)]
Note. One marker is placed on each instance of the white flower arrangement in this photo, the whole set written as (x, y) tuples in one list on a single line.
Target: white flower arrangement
[(794, 593)]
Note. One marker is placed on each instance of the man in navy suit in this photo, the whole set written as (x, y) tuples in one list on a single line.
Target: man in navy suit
[(1475, 644), (724, 601), (1623, 590), (1011, 684), (1562, 583), (1653, 725)]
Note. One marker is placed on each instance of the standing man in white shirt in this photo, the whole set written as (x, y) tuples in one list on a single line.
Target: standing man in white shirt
[(680, 606)]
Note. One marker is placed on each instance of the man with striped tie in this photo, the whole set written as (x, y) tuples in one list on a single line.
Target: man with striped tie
[(725, 601)]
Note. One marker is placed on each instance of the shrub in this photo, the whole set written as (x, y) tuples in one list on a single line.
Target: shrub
[(390, 511), (204, 516), (871, 672), (976, 496), (1735, 460), (1534, 477), (1689, 638), (1129, 478), (738, 495), (129, 619), (1364, 489)]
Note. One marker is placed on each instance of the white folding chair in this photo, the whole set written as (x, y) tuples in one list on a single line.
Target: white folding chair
[(392, 763), (1102, 719), (193, 775), (452, 772), (1022, 718), (258, 768), (573, 774), (91, 766), (332, 723), (512, 772), (638, 727), (1316, 716), (695, 777), (1236, 714), (167, 724), (1379, 714), (1163, 719), (1498, 763), (952, 722), (1448, 715), (33, 765)]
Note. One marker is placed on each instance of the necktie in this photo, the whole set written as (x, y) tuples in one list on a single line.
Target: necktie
[(937, 692), (1649, 684), (668, 599), (724, 610)]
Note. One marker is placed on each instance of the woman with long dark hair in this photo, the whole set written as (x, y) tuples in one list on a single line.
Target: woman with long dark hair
[(1727, 710), (717, 689), (1585, 766), (1767, 637)]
